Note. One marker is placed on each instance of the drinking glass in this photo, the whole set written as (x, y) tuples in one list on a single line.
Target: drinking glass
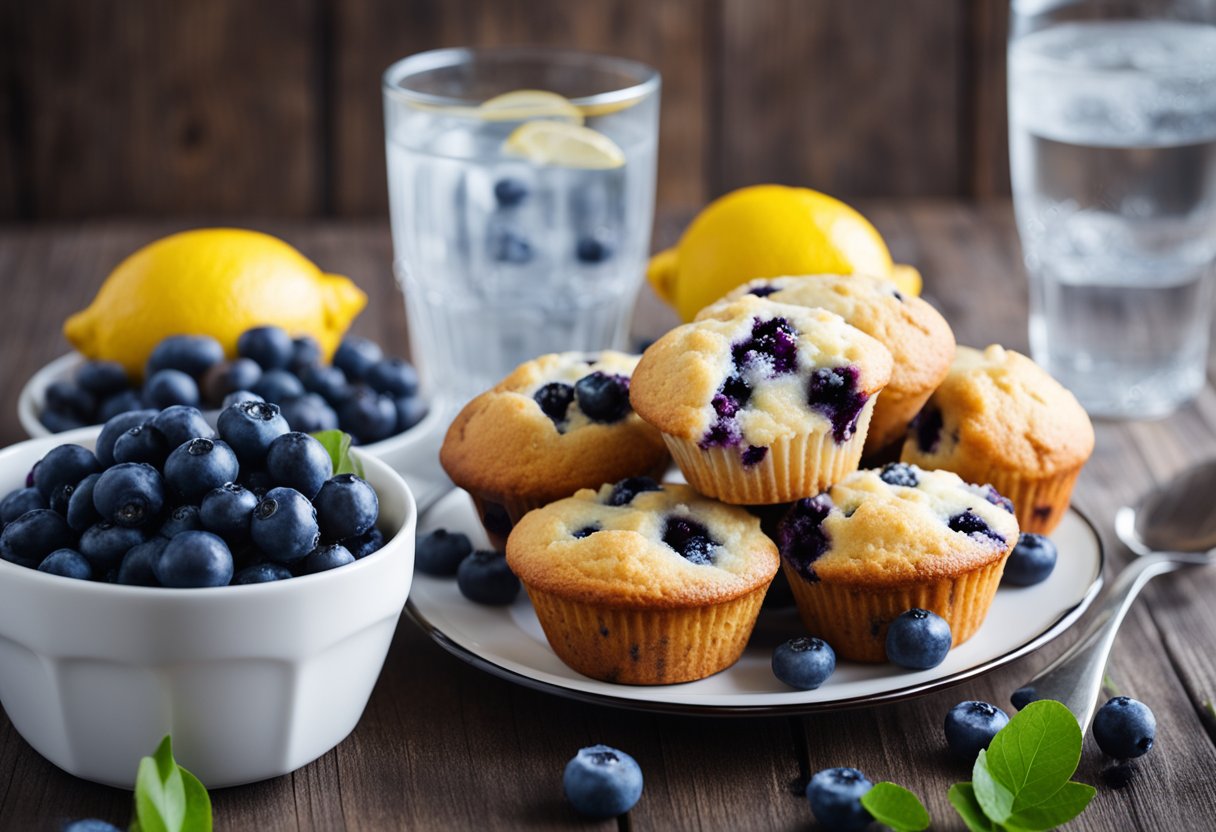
[(1112, 144), (513, 237)]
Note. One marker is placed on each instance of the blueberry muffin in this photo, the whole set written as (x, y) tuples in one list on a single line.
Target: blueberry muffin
[(1000, 418), (918, 337), (881, 542), (643, 584), (762, 402), (556, 424)]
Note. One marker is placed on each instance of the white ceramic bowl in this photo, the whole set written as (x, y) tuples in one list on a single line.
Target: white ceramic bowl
[(33, 398), (252, 681)]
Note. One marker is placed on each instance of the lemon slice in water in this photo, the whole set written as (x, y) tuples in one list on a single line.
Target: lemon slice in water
[(565, 145), (522, 105)]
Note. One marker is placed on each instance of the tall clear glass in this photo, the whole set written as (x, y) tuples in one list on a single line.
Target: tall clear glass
[(1112, 140), (513, 237)]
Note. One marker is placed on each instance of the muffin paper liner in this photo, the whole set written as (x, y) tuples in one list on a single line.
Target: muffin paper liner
[(1040, 504), (891, 417)]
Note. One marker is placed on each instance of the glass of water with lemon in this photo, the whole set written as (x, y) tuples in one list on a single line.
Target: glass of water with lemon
[(521, 187)]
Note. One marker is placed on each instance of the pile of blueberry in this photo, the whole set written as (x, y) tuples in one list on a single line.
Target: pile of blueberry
[(165, 500), (364, 393)]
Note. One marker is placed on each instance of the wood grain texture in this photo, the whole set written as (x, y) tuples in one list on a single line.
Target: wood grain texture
[(986, 119)]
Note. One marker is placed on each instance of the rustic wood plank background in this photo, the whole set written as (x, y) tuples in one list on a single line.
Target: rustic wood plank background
[(211, 107)]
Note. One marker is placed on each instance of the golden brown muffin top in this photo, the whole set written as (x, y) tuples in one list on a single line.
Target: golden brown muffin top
[(997, 407), (781, 353), (660, 549), (505, 442), (897, 526)]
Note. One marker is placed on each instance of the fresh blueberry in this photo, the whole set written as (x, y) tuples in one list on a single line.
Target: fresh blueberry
[(370, 541), (130, 494), (31, 537), (238, 396), (393, 376), (67, 398), (298, 461), (105, 544), (974, 526), (410, 411), (180, 424), (441, 551), (197, 466), (227, 511), (269, 346), (124, 402), (138, 567), (804, 663), (899, 473), (509, 246), (690, 539), (142, 443), (64, 465), (484, 577), (1023, 696), (328, 382), (970, 727), (194, 559), (1031, 562), (278, 386), (249, 428), (62, 497), (67, 562), (19, 502), (229, 377), (181, 519), (285, 525), (102, 379), (368, 416), (603, 397), (82, 512), (1124, 728), (602, 782), (592, 250), (325, 557), (305, 352), (918, 639), (256, 480), (262, 573), (59, 422), (554, 400), (189, 354), (89, 825), (356, 355), (835, 798), (510, 191), (115, 427), (347, 506), (625, 490), (169, 387), (309, 413)]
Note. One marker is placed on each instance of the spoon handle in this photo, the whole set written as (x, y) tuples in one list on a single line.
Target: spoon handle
[(1075, 677)]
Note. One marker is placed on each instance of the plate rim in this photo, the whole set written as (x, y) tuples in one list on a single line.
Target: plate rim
[(1066, 619)]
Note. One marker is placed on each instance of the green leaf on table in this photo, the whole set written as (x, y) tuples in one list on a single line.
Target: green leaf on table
[(994, 797), (1033, 756), (1057, 810), (167, 797), (337, 443), (962, 798), (896, 807)]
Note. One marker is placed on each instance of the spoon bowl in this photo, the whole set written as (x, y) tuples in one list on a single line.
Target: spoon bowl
[(1175, 517)]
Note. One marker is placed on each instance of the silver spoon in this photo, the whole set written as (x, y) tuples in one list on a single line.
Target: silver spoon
[(1171, 527)]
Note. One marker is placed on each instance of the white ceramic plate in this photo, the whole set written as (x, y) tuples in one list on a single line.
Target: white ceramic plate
[(508, 641)]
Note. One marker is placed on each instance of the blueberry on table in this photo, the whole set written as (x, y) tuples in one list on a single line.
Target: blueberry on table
[(284, 525), (393, 376), (115, 427), (102, 379), (835, 798), (485, 578), (509, 191), (918, 639), (105, 544), (440, 552), (31, 537), (228, 377), (368, 416), (142, 443), (130, 494), (262, 573), (194, 559), (269, 346), (66, 398), (602, 782), (410, 411), (804, 663), (1023, 696), (278, 386), (592, 250), (305, 352), (166, 388), (356, 355), (123, 402), (18, 502), (238, 396), (68, 563), (325, 557), (309, 413), (1124, 728), (1031, 562), (298, 461), (328, 382), (182, 423), (89, 825), (970, 727), (227, 511), (370, 541), (181, 519), (603, 397), (138, 567), (64, 465), (82, 512), (347, 506), (249, 428), (198, 466)]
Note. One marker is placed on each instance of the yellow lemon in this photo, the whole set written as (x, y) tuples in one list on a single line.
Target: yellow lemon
[(768, 231), (211, 281), (565, 145), (520, 105)]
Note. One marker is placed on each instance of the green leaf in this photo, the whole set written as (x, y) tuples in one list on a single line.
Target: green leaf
[(993, 796), (167, 797), (1033, 756), (337, 444), (896, 807), (1058, 809), (962, 798)]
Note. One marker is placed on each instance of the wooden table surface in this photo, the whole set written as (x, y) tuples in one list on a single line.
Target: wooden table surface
[(445, 746)]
